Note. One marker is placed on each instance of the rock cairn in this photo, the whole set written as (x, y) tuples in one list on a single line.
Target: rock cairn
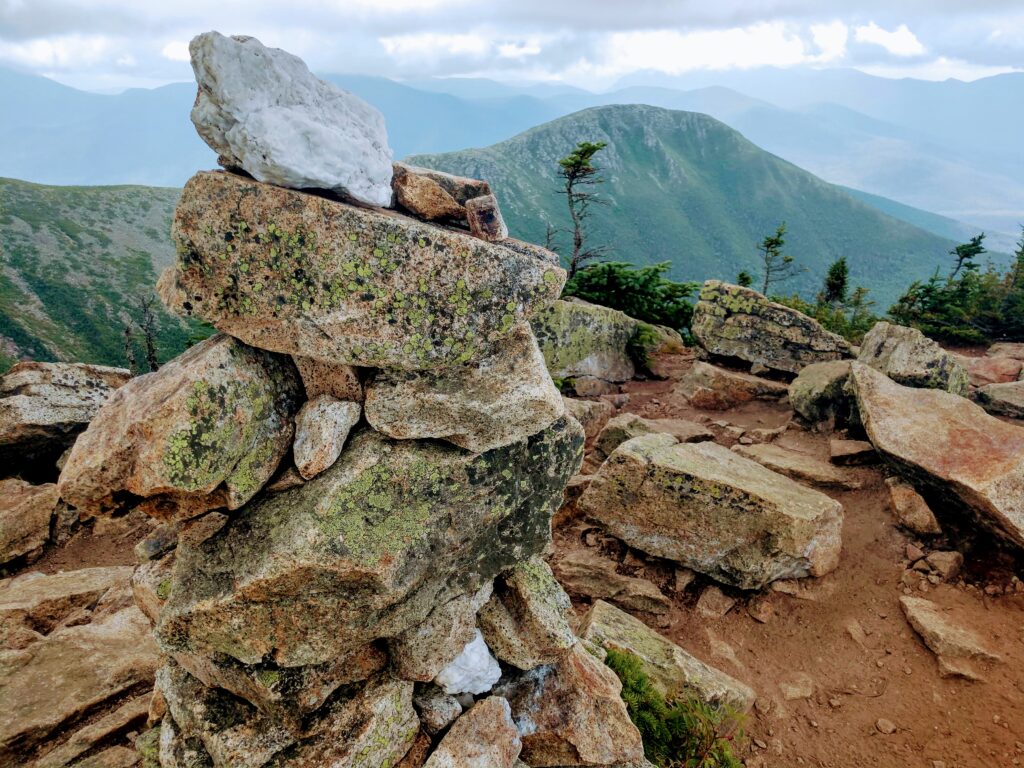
[(356, 476)]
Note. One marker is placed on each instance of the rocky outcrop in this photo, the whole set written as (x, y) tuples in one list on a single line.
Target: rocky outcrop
[(909, 357), (25, 514), (591, 414), (705, 507), (626, 426), (586, 573), (736, 322), (819, 395), (302, 592), (44, 406), (944, 442), (205, 431), (675, 673), (713, 388), (506, 397), (582, 339), (309, 276), (1002, 399), (262, 111)]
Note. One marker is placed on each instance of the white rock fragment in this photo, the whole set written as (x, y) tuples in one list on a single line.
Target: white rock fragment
[(474, 670), (263, 111), (321, 429)]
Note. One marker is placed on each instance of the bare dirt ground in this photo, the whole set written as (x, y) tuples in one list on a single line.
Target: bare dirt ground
[(881, 670), (885, 673)]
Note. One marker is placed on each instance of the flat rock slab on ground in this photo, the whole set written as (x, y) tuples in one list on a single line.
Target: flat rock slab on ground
[(712, 510), (673, 671), (942, 633), (41, 602), (1002, 399), (941, 440), (626, 426), (802, 467), (713, 388), (584, 572)]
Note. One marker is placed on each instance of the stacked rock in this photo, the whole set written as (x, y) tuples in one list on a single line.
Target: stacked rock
[(356, 476)]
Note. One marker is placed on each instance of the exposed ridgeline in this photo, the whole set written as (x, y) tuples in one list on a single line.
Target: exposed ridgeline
[(73, 263), (344, 608), (684, 187)]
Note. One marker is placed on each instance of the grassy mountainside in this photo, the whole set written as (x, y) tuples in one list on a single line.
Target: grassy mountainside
[(73, 263), (686, 188)]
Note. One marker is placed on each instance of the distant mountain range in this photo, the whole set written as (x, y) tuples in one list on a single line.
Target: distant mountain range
[(74, 261), (950, 148), (686, 188)]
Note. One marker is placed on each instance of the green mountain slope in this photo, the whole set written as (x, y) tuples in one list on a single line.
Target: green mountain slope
[(73, 263), (685, 188)]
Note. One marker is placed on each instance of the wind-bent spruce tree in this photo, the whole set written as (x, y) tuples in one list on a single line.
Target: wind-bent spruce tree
[(578, 173), (777, 265)]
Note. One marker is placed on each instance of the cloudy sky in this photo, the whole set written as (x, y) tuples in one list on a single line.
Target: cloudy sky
[(109, 44)]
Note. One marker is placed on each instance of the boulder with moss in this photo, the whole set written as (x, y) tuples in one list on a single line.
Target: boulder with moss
[(293, 272), (736, 322), (207, 430), (582, 339), (909, 357)]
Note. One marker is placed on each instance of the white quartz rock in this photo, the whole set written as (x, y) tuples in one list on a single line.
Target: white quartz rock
[(263, 111), (474, 670)]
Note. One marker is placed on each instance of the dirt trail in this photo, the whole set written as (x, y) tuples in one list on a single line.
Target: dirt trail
[(849, 636)]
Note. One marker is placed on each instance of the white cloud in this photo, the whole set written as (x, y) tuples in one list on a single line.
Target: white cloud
[(900, 42), (176, 50), (432, 45), (672, 52), (519, 50), (830, 40), (60, 52)]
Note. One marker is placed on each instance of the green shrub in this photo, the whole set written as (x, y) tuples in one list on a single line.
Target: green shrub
[(643, 293), (676, 734)]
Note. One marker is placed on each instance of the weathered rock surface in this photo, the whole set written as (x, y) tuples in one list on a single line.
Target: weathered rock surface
[(819, 396), (261, 110), (435, 195), (708, 386), (485, 219), (308, 573), (582, 339), (43, 407), (802, 467), (909, 357), (132, 712), (437, 709), (709, 509), (1002, 399), (297, 273), (571, 714), (321, 429), (673, 672), (42, 602), (586, 573), (732, 321), (941, 633), (910, 508), (484, 737), (320, 377), (70, 673), (982, 371), (421, 652), (207, 430), (285, 694), (505, 397), (626, 426), (25, 514), (943, 441), (591, 414), (474, 670), (525, 623)]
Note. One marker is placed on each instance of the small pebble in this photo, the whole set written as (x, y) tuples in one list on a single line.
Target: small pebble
[(885, 726)]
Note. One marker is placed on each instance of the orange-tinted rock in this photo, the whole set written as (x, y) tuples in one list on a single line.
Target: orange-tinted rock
[(483, 737), (708, 386), (25, 514)]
